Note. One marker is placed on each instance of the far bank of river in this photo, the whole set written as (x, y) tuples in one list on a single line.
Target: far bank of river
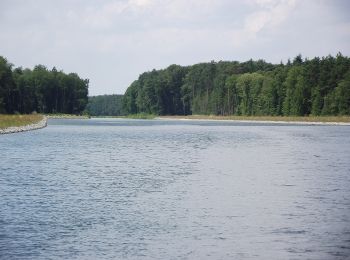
[(322, 120), (66, 116), (326, 120)]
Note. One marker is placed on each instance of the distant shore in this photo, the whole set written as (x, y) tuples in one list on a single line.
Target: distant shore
[(309, 120), (66, 116), (28, 127), (305, 120)]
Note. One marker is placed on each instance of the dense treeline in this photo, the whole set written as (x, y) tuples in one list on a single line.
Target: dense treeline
[(106, 105), (40, 90), (320, 86)]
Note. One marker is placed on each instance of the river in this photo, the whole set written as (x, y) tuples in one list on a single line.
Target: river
[(158, 189)]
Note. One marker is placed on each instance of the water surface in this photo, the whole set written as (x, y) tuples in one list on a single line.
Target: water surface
[(154, 189)]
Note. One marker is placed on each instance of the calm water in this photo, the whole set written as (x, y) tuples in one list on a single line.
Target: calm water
[(134, 189)]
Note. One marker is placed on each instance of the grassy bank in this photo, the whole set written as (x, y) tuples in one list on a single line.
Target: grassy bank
[(18, 120), (322, 119)]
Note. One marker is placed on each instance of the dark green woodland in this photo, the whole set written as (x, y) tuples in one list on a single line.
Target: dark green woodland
[(41, 90), (318, 86), (105, 105)]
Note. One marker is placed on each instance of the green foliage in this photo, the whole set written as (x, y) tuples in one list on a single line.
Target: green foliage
[(41, 90), (6, 85), (342, 95), (249, 86), (106, 105), (296, 98), (299, 88)]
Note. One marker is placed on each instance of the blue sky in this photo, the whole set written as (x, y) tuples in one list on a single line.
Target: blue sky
[(112, 42)]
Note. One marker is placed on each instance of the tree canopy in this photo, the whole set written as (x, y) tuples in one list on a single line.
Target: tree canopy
[(320, 86), (41, 90)]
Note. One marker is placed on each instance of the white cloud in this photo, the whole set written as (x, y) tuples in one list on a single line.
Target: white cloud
[(106, 15), (102, 39), (270, 13), (141, 3)]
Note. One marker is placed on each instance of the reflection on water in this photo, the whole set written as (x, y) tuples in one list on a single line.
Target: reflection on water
[(148, 189)]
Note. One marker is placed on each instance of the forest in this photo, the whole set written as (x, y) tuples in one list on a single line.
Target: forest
[(105, 105), (40, 90), (301, 87)]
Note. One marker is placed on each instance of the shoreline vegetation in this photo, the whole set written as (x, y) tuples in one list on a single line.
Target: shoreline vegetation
[(20, 123), (302, 87), (18, 120), (67, 116), (40, 89), (333, 120)]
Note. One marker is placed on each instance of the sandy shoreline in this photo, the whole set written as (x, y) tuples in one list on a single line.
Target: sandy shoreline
[(64, 116), (253, 121), (16, 129)]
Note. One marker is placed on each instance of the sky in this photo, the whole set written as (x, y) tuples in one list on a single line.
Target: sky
[(112, 42)]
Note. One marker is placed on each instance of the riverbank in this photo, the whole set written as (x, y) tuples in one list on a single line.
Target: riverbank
[(131, 116), (312, 120), (66, 116), (20, 123)]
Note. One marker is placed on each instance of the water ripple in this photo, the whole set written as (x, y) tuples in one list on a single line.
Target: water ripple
[(147, 189)]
